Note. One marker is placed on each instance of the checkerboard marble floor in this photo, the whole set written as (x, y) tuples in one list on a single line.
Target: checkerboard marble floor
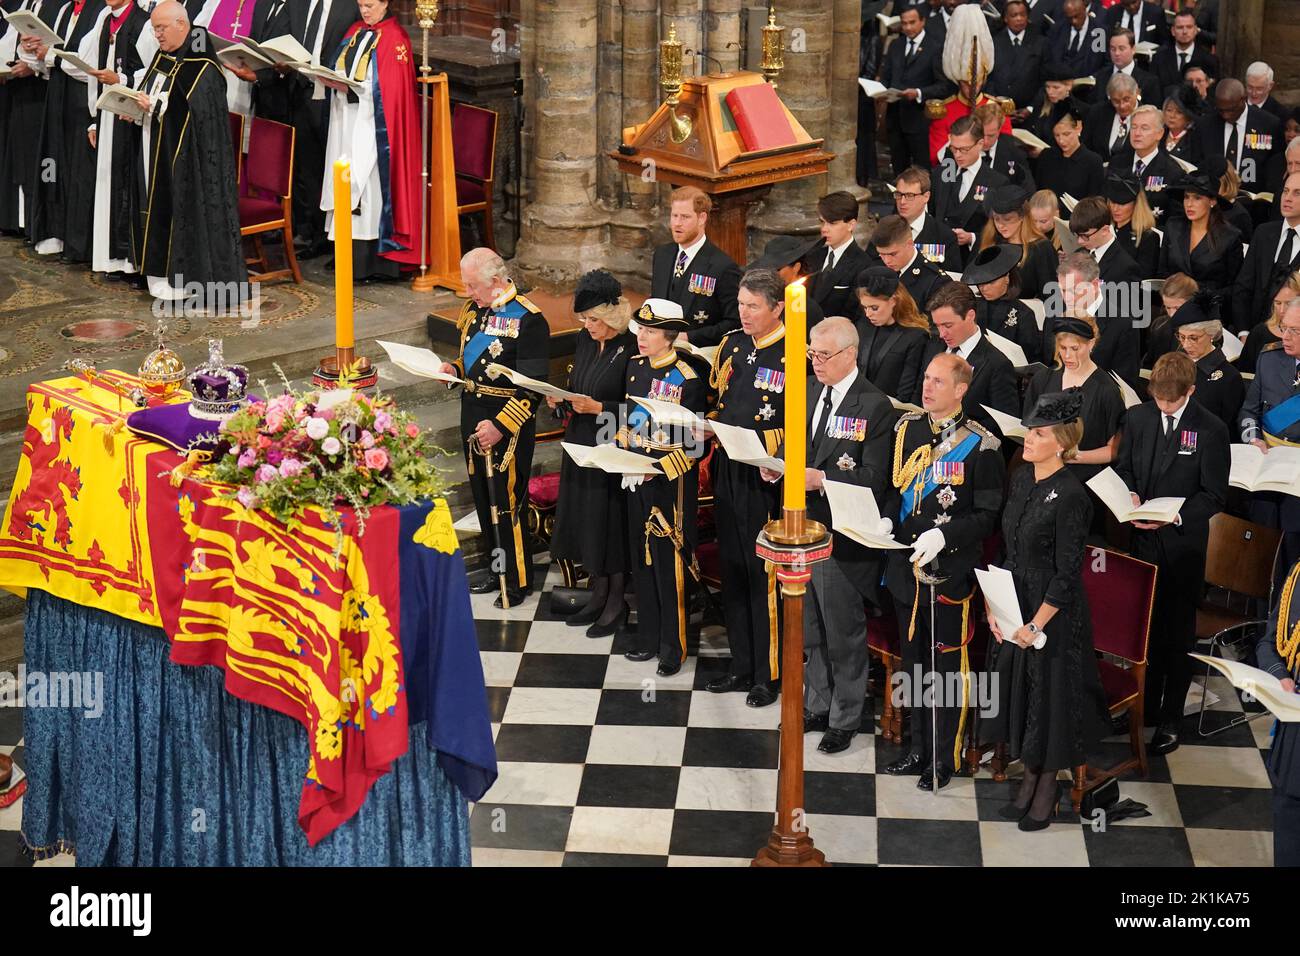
[(604, 763)]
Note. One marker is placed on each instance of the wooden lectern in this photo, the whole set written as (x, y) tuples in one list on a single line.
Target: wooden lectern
[(443, 254), (713, 156)]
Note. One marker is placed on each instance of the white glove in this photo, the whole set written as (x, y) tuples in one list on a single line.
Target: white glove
[(927, 547), (632, 482), (885, 528)]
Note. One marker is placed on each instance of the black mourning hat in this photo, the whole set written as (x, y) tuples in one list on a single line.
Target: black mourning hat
[(1072, 326), (1199, 183), (1055, 408), (1202, 307), (1186, 100), (1122, 187), (991, 263), (785, 251), (1006, 199), (1068, 107), (879, 281), (596, 287)]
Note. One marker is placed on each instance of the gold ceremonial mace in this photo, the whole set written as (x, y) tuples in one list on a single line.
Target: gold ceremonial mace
[(426, 12), (773, 48), (793, 544)]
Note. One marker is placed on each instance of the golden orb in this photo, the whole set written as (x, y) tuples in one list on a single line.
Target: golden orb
[(162, 371)]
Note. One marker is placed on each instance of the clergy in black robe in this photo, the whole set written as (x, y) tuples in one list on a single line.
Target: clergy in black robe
[(124, 45), (189, 224), (25, 91), (63, 207), (1051, 707), (591, 513), (8, 184)]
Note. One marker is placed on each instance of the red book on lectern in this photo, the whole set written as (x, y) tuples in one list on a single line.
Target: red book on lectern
[(760, 117)]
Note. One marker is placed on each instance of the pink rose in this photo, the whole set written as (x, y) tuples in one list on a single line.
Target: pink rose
[(247, 459), (274, 456), (246, 497), (367, 440), (274, 420), (331, 446), (317, 428), (376, 459), (263, 441), (383, 421), (412, 430), (290, 468), (267, 473), (328, 414)]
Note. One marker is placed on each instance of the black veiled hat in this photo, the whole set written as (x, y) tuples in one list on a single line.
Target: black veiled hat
[(991, 263), (1006, 199), (783, 251), (878, 281), (596, 287), (1069, 324), (1186, 100), (1068, 107), (1199, 183), (1202, 307), (1122, 187), (1055, 408)]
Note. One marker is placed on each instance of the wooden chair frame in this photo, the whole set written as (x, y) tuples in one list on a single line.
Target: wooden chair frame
[(283, 225)]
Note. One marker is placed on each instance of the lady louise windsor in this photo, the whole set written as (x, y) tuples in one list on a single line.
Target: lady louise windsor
[(1050, 703)]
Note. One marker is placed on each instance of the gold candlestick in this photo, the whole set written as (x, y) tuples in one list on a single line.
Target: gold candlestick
[(426, 12), (670, 78), (773, 48)]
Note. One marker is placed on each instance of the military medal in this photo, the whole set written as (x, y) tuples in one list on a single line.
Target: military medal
[(701, 285), (753, 357), (844, 463), (942, 519), (946, 497), (846, 429), (701, 316), (767, 412), (949, 472), (496, 348), (769, 380), (1187, 442)]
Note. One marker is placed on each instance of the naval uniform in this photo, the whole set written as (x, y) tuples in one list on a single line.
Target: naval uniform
[(749, 377), (1271, 412), (511, 331), (662, 511), (946, 475), (1276, 653)]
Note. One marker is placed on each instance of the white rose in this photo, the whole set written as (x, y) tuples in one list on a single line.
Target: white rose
[(331, 446), (317, 428)]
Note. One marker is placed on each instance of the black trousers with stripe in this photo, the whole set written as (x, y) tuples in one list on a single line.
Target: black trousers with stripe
[(662, 578), (509, 491)]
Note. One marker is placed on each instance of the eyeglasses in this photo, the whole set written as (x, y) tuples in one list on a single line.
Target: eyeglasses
[(1191, 338), (1286, 330), (826, 356), (961, 150), (898, 195), (1085, 236)]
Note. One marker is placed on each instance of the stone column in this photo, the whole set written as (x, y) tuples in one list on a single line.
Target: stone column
[(842, 140), (805, 87), (609, 98), (563, 229), (722, 19)]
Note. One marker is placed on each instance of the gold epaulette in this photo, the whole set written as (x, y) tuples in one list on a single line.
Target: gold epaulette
[(988, 441), (906, 417), (466, 316), (1007, 103), (526, 302), (937, 109), (1270, 347), (684, 367)]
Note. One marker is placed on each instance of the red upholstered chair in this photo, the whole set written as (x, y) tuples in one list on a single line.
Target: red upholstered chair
[(1121, 592), (474, 147), (543, 496), (269, 169), (237, 142), (882, 641)]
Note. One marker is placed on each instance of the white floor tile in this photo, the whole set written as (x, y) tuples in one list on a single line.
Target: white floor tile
[(1217, 766), (726, 788), (620, 830), (536, 784), (1005, 844), (643, 746), (1230, 847), (898, 797), (552, 705)]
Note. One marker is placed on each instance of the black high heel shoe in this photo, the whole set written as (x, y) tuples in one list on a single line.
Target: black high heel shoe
[(1029, 823), (610, 629), (587, 615), (1013, 812)]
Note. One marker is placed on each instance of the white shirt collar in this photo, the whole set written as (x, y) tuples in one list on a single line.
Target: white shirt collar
[(1101, 250), (1146, 160), (838, 251), (1126, 70), (916, 40), (693, 248), (917, 224), (1017, 36), (1177, 416), (1096, 303), (1184, 51)]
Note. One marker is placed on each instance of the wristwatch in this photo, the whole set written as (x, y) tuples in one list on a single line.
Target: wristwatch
[(1032, 628)]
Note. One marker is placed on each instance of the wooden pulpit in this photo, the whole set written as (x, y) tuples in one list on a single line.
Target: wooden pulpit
[(443, 227), (713, 157)]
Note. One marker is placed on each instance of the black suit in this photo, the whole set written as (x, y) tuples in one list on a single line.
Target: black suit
[(1192, 463), (1271, 105), (1153, 28), (273, 92), (1263, 140), (834, 291), (969, 213), (1260, 276), (1084, 61), (890, 357), (909, 129), (1011, 160), (1165, 65), (1119, 346), (993, 382), (921, 278), (1017, 70), (1098, 129), (1214, 263), (706, 290)]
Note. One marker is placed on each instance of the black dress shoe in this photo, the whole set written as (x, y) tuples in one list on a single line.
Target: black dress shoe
[(484, 585), (639, 656), (610, 629), (907, 766), (517, 597), (760, 695), (812, 723), (835, 740), (584, 616), (722, 685), (928, 774), (668, 668), (1165, 739)]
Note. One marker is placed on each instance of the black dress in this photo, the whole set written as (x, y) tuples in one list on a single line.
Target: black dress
[(1038, 270), (1012, 319), (1103, 410), (1259, 339), (1051, 707), (890, 357), (591, 514), (1145, 253), (1219, 387), (1081, 174), (1215, 261)]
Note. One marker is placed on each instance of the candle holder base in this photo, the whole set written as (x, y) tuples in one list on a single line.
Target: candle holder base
[(793, 543), (327, 373)]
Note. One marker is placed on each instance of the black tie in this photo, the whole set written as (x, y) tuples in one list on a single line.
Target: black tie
[(1076, 42), (1182, 63), (911, 50), (1230, 154), (1015, 41), (823, 422), (1121, 138), (313, 25), (963, 189), (1169, 428), (1284, 253)]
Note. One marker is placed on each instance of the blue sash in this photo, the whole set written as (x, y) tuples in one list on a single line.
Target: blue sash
[(969, 444), (475, 348), (638, 416), (1281, 417)]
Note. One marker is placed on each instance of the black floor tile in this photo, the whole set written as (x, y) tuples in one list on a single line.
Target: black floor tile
[(850, 794), (562, 670), (11, 850), (608, 785), (543, 743), (1122, 845), (748, 749), (502, 635), (519, 827), (928, 842), (497, 698), (668, 708), (732, 833), (11, 725), (613, 859), (707, 668), (1225, 808)]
